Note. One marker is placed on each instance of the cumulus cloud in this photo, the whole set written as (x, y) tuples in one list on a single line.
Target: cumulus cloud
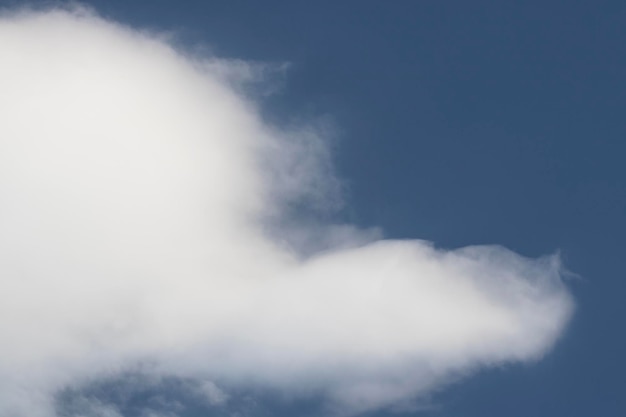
[(145, 218)]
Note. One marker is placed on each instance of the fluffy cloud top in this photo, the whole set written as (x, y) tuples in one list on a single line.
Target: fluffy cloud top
[(137, 189)]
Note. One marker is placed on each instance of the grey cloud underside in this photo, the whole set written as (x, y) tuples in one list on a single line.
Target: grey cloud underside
[(137, 186)]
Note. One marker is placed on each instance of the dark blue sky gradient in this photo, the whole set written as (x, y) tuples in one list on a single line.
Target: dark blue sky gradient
[(464, 122)]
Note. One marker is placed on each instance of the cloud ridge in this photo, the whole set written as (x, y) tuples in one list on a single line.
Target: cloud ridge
[(137, 184)]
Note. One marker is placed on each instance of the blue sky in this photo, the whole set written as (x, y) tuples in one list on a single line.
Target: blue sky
[(461, 123)]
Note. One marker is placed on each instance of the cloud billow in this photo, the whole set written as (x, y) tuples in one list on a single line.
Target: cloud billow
[(138, 184)]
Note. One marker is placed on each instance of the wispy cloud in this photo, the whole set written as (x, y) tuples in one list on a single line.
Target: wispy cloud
[(141, 198)]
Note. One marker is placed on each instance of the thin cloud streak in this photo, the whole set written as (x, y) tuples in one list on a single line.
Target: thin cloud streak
[(140, 193)]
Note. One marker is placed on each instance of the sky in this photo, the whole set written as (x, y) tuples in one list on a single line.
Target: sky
[(340, 134)]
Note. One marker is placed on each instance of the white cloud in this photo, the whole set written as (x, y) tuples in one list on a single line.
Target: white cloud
[(137, 186)]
